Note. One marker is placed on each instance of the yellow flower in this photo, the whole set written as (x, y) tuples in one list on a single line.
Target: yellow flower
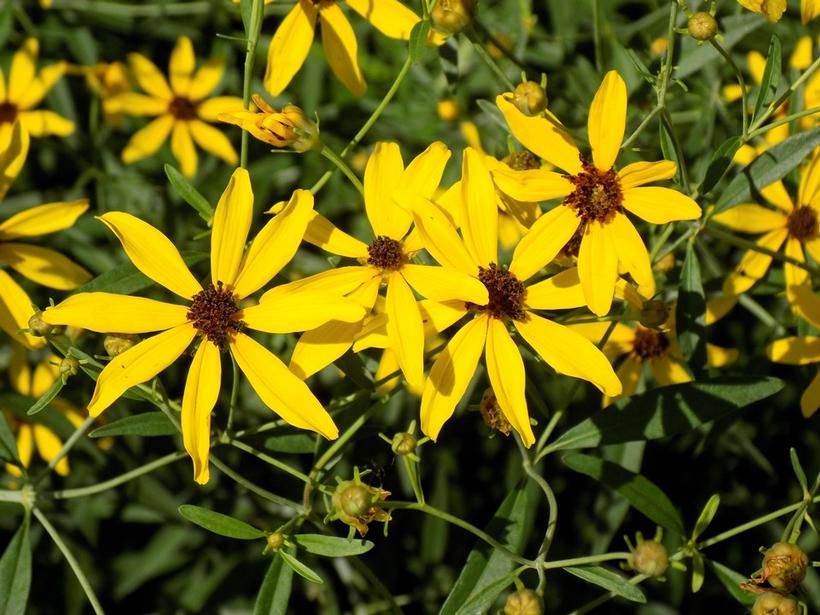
[(596, 195), (385, 260), (291, 43), (183, 108), (34, 384), (24, 90), (771, 9), (288, 128), (800, 351), (795, 224), (475, 253), (106, 80), (213, 314), (809, 9), (41, 265)]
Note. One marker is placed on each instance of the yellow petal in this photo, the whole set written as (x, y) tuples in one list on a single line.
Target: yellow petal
[(182, 146), (777, 195), (317, 349), (390, 17), (206, 79), (13, 157), (209, 110), (505, 369), (598, 268), (110, 313), (340, 281), (754, 265), (388, 365), (750, 218), (322, 233), (382, 177), (632, 254), (181, 66), (39, 87), (438, 315), (147, 140), (809, 9), (232, 221), (795, 350), (133, 103), (405, 329), (543, 241), (480, 227), (23, 69), (568, 352), (15, 311), (423, 175), (279, 389), (806, 303), (49, 445), (301, 311), (42, 220), (341, 48), (25, 445), (802, 55), (810, 400), (810, 182), (542, 137), (139, 364), (668, 371), (213, 141), (560, 292), (531, 185), (149, 77), (439, 236), (444, 284), (198, 401), (290, 46), (152, 253), (717, 356), (275, 245), (629, 373), (46, 123), (718, 307), (451, 374), (660, 205), (607, 120), (43, 266), (794, 275), (640, 173)]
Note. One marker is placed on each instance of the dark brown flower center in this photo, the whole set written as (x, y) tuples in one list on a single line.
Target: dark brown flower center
[(802, 223), (507, 293), (214, 312), (386, 254), (8, 112), (182, 108), (649, 343), (522, 161), (597, 195)]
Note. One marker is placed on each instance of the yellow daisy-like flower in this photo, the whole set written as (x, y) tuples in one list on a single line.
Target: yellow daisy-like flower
[(35, 383), (809, 9), (510, 302), (182, 108), (41, 265), (291, 43), (24, 90), (213, 314), (795, 224), (387, 260), (107, 80), (596, 195), (771, 9)]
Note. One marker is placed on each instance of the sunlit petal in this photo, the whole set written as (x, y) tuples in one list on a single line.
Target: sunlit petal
[(607, 120), (198, 401), (112, 313), (341, 48), (232, 221), (290, 46), (543, 241)]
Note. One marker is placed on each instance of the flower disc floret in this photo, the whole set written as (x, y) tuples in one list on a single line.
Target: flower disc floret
[(597, 196), (182, 108), (8, 112), (213, 313), (649, 344), (386, 254), (506, 291), (802, 223)]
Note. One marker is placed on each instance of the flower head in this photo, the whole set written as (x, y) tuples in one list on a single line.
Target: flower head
[(289, 127), (771, 9)]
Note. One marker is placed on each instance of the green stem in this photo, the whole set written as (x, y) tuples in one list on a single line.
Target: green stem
[(69, 444), (642, 126), (270, 460), (606, 597), (589, 559), (786, 95), (11, 495), (784, 120), (750, 245), (596, 34), (741, 82), (342, 166), (254, 488), (254, 27), (234, 394), (491, 63), (72, 561), (124, 9)]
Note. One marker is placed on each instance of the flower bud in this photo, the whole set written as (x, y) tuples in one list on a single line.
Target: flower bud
[(524, 602), (452, 16), (356, 504), (771, 603), (289, 127), (448, 109), (39, 327), (404, 443), (654, 314), (69, 367), (275, 541), (702, 26), (530, 98), (117, 343), (492, 414), (650, 558), (784, 566)]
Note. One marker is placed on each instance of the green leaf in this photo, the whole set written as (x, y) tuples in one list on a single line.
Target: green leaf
[(706, 515), (126, 279), (771, 76), (667, 411), (478, 601), (274, 594), (291, 443), (190, 194), (798, 471), (694, 58), (731, 581), (15, 573), (697, 572), (770, 166), (300, 568), (486, 567), (8, 445), (42, 403), (690, 314), (719, 163), (640, 492), (611, 581), (418, 40), (6, 22), (332, 546), (220, 524), (146, 424)]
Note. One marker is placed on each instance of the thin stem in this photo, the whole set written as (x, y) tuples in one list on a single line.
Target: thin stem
[(750, 245), (254, 27), (10, 495), (345, 437), (270, 460), (72, 561), (234, 394), (741, 82), (552, 503), (684, 172), (606, 597), (784, 120), (786, 95), (492, 64), (124, 9), (263, 493), (69, 444), (342, 166), (596, 34), (589, 559), (642, 126)]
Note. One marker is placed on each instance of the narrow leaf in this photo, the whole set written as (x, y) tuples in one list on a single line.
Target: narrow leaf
[(8, 445), (291, 443), (706, 515), (300, 568), (478, 601), (332, 546), (798, 471), (611, 581), (15, 573), (146, 424), (220, 524), (690, 315), (731, 581), (697, 572), (42, 403), (771, 76), (274, 594), (418, 40), (719, 163), (190, 194)]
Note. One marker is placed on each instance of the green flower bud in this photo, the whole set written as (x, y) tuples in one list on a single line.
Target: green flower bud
[(404, 443), (530, 98), (275, 541), (702, 26), (117, 343), (452, 16), (69, 366), (524, 602), (771, 603), (784, 566), (650, 558)]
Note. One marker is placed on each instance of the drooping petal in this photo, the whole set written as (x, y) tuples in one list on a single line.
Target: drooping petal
[(809, 182), (301, 311), (810, 400), (43, 266), (13, 157), (632, 254), (795, 350), (232, 221), (668, 371), (25, 446), (148, 139), (213, 141), (390, 17), (341, 48), (320, 347), (754, 265), (43, 123), (794, 275), (660, 205), (206, 79), (480, 227), (198, 401), (322, 233), (562, 291), (531, 184), (134, 103), (444, 284), (279, 389), (568, 352), (751, 218), (152, 253), (806, 302), (598, 268), (139, 364), (543, 241), (505, 367), (621, 339), (423, 175), (405, 329), (640, 173), (382, 177), (274, 245), (15, 311), (718, 307), (182, 147), (42, 220), (149, 77), (112, 313), (607, 120), (181, 66), (542, 137), (290, 46), (451, 374)]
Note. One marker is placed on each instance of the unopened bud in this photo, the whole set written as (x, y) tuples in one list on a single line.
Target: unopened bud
[(784, 566), (524, 602), (530, 98), (357, 504), (39, 327), (275, 541), (288, 128), (654, 314), (404, 443), (117, 343), (650, 558), (702, 26), (448, 109), (771, 603), (452, 16), (69, 367), (355, 500)]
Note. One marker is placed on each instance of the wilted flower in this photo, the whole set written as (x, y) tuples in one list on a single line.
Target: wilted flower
[(357, 504), (289, 127)]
